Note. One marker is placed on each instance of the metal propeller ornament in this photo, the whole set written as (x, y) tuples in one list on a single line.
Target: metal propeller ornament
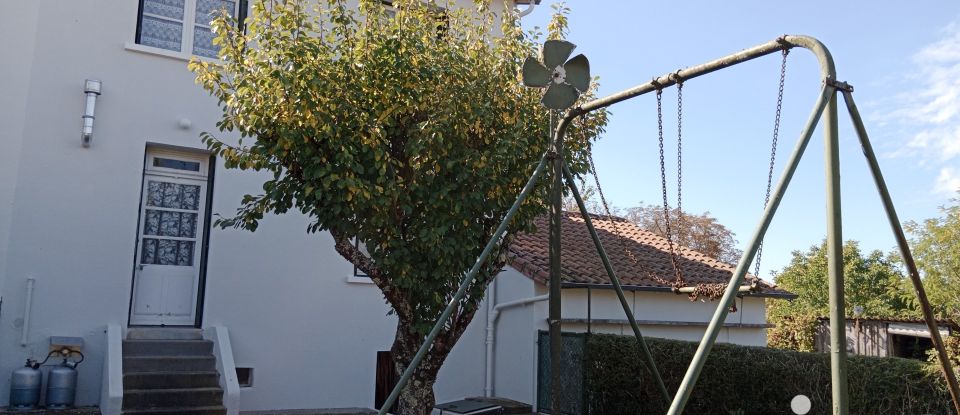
[(565, 80)]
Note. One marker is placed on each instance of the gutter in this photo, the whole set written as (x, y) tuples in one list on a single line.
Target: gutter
[(491, 336), (761, 294), (531, 4)]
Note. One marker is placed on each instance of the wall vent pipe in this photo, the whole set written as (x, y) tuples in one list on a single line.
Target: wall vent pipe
[(28, 305), (92, 89)]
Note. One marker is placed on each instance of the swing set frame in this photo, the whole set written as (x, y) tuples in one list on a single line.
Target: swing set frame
[(826, 106)]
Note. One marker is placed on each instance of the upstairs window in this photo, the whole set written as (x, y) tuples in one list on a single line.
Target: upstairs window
[(184, 25)]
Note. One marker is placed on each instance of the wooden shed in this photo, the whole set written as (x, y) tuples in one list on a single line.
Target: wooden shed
[(884, 337)]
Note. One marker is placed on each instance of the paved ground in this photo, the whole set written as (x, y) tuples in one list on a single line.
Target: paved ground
[(75, 411), (336, 411), (96, 411)]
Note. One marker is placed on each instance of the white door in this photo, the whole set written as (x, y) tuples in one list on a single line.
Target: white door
[(170, 235)]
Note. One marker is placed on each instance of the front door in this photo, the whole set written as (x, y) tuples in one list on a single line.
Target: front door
[(167, 268)]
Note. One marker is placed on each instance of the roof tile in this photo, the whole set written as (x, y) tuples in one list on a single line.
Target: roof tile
[(581, 264)]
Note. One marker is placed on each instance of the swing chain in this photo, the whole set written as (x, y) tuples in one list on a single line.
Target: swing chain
[(613, 223), (678, 282), (679, 218), (773, 151)]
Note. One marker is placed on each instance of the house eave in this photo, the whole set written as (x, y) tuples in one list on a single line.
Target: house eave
[(670, 323), (761, 294)]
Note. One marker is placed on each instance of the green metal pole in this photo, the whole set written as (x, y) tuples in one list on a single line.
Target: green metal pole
[(462, 290), (838, 321), (651, 363), (729, 295), (928, 316), (556, 212)]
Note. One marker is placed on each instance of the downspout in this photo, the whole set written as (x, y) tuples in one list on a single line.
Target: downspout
[(529, 9), (520, 13), (488, 341), (28, 305), (491, 336)]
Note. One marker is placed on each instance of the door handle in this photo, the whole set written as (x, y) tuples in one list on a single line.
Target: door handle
[(140, 267)]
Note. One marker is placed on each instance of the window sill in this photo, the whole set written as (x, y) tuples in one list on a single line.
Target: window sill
[(353, 279), (181, 56)]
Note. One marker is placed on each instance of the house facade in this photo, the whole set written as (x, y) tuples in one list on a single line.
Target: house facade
[(110, 238)]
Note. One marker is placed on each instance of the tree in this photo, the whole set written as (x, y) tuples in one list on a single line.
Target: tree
[(698, 232), (936, 249), (874, 282), (587, 193), (409, 132)]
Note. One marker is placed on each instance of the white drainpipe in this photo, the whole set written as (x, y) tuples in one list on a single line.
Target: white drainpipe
[(491, 334), (25, 329), (524, 12)]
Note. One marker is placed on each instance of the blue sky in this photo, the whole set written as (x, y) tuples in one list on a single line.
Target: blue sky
[(902, 59)]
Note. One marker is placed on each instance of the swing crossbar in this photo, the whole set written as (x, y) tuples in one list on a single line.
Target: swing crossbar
[(827, 70)]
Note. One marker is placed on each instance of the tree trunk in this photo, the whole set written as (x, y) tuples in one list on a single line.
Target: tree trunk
[(417, 396)]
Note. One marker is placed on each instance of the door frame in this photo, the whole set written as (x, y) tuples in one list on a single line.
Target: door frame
[(152, 149)]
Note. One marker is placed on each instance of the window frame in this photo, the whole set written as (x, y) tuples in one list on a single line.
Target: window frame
[(155, 153), (358, 276), (189, 26)]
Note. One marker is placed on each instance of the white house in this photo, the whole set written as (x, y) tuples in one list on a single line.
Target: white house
[(113, 240)]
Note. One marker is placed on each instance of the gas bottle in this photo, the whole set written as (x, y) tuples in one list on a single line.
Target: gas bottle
[(25, 386), (62, 385)]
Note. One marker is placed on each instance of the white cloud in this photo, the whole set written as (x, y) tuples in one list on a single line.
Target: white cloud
[(929, 114), (948, 182)]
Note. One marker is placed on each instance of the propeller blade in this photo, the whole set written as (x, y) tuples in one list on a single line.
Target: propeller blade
[(559, 96), (535, 74), (578, 72), (556, 52)]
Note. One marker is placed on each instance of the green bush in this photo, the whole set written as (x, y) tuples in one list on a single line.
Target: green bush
[(752, 380)]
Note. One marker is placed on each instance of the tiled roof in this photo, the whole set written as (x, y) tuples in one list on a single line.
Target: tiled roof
[(581, 265)]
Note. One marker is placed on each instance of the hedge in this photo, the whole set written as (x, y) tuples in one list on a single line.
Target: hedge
[(741, 380)]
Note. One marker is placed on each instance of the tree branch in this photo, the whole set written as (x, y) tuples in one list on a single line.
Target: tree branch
[(346, 249)]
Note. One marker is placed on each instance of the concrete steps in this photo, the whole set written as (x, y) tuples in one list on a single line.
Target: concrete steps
[(164, 333), (171, 380), (167, 348), (184, 397), (147, 364), (170, 371), (204, 410)]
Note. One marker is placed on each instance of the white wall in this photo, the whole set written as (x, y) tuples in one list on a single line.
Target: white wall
[(515, 355), (18, 29), (68, 217), (662, 307)]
